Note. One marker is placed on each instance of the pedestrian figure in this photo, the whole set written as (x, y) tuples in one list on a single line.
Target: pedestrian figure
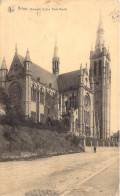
[(94, 149)]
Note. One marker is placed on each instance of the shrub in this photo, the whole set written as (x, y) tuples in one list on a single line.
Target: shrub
[(58, 126), (8, 134), (75, 140)]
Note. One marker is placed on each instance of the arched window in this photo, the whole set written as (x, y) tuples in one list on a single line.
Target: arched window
[(76, 124), (66, 104), (32, 93), (75, 102), (95, 67), (100, 68), (70, 102), (42, 96)]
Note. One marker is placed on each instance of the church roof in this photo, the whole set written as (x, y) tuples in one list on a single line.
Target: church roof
[(45, 76), (21, 58), (62, 82), (38, 72), (68, 80)]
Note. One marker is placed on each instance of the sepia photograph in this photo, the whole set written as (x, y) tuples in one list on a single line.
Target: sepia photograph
[(59, 97)]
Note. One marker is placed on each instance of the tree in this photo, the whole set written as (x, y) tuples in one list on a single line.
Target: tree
[(13, 113), (3, 96)]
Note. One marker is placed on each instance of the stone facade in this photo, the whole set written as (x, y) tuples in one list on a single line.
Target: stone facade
[(80, 98)]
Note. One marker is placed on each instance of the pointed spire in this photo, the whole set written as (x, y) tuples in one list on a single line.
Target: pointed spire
[(27, 57), (3, 66), (100, 25), (81, 71), (16, 49), (100, 34), (86, 69), (81, 66), (56, 48)]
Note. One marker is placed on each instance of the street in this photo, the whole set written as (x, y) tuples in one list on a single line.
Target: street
[(84, 174)]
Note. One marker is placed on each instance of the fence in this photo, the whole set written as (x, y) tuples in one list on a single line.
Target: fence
[(94, 142)]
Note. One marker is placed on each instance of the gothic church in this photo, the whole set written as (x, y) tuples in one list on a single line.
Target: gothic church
[(80, 98)]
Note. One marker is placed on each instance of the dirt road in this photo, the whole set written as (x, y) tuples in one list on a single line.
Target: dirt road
[(88, 174)]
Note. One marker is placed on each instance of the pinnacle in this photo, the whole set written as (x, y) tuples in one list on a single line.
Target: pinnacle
[(81, 71), (3, 66), (27, 57)]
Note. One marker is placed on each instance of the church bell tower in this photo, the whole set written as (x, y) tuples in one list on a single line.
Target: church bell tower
[(100, 71)]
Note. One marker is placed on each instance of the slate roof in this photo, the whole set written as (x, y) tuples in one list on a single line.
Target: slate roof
[(21, 58), (68, 80), (45, 76)]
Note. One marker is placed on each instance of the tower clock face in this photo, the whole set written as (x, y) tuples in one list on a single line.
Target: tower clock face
[(15, 94)]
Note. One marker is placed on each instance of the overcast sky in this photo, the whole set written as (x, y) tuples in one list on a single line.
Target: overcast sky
[(75, 25)]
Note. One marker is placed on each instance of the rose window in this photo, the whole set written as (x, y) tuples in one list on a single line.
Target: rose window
[(15, 94)]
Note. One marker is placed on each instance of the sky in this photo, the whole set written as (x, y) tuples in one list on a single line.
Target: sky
[(74, 22)]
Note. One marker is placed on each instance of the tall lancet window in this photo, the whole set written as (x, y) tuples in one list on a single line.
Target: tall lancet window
[(95, 67), (56, 64), (100, 68)]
